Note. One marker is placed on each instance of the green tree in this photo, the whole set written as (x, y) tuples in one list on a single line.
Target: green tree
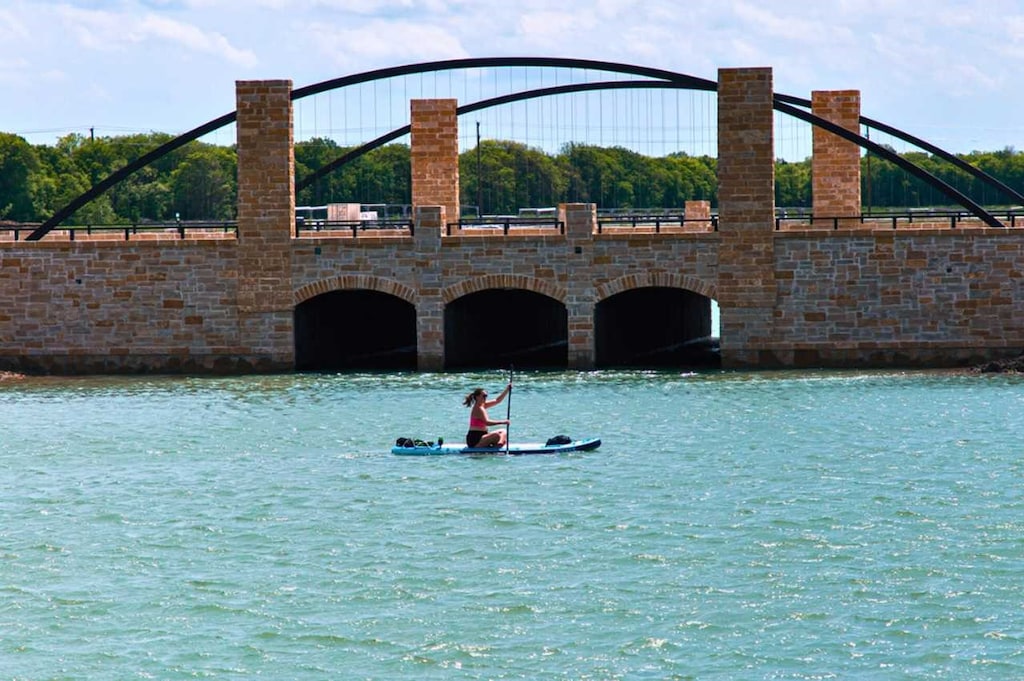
[(61, 180), (146, 194), (512, 176), (310, 156), (19, 166), (204, 185), (385, 175), (382, 175), (792, 184), (593, 173), (198, 180)]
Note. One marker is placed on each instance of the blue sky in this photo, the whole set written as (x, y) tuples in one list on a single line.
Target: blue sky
[(945, 70)]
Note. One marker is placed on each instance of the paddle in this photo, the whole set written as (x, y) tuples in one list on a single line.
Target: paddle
[(508, 410)]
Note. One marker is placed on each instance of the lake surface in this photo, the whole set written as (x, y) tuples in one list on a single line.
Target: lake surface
[(811, 525)]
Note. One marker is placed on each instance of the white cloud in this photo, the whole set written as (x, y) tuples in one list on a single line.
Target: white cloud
[(11, 27), (392, 43), (13, 71), (966, 80), (792, 27), (1014, 26), (119, 58), (547, 26), (194, 39), (119, 31)]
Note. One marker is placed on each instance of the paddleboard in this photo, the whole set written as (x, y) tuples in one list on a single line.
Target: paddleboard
[(515, 449)]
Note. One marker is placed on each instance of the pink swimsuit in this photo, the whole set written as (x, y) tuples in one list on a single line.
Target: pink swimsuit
[(477, 429)]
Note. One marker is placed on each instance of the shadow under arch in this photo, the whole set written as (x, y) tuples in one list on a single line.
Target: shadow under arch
[(355, 323), (659, 319), (501, 320)]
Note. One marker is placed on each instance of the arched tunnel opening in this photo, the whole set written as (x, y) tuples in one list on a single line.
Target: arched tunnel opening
[(655, 327), (355, 331), (502, 327)]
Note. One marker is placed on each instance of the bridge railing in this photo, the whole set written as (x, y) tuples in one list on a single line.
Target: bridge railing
[(505, 223), (355, 227), (180, 228), (658, 222), (1013, 217)]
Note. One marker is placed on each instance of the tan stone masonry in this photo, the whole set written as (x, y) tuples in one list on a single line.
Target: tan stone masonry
[(835, 163), (435, 155), (746, 194)]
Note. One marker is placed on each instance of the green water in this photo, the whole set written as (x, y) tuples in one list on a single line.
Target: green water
[(731, 526)]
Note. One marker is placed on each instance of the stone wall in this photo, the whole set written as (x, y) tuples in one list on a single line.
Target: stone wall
[(890, 298), (107, 306), (843, 297)]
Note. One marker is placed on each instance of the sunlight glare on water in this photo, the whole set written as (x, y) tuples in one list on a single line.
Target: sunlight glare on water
[(802, 525)]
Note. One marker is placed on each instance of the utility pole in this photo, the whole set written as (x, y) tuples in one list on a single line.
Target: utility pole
[(868, 183), (479, 180)]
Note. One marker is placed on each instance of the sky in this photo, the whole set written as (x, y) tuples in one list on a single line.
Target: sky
[(947, 71)]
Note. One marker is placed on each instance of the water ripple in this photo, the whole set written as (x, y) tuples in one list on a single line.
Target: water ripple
[(776, 525)]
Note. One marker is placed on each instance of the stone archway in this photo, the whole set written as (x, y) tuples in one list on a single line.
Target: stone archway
[(350, 282), (354, 322), (655, 280), (654, 319), (502, 320), (504, 281)]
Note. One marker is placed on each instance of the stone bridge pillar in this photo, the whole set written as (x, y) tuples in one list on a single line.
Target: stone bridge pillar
[(434, 154), (266, 221), (697, 210), (835, 163), (746, 208), (580, 224), (429, 223)]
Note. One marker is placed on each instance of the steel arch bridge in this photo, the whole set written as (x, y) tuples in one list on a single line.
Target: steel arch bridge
[(646, 78)]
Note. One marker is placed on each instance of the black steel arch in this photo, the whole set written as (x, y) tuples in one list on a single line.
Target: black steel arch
[(676, 79), (692, 82), (367, 76), (355, 153), (778, 104), (892, 156), (922, 144), (118, 175)]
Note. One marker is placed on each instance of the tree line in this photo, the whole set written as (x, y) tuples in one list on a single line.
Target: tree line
[(198, 180)]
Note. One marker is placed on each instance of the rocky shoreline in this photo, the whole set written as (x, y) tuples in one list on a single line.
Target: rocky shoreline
[(1014, 365)]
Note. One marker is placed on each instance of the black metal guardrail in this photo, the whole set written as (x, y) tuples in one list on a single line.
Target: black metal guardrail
[(658, 221), (179, 227), (507, 224), (354, 226), (895, 219)]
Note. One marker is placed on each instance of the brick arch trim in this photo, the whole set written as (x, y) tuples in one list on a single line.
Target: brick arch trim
[(350, 282), (493, 281), (659, 279)]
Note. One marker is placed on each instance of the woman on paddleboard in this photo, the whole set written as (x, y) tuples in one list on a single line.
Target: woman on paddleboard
[(478, 435)]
